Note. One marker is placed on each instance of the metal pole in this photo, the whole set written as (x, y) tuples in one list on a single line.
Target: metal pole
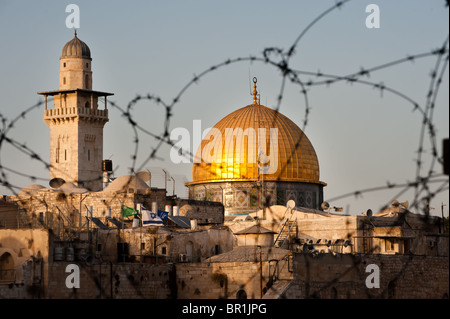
[(140, 254), (173, 181), (260, 271), (165, 179)]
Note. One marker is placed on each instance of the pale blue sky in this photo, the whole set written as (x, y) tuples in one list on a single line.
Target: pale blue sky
[(362, 139)]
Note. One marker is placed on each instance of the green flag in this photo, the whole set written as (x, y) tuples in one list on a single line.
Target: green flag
[(128, 211)]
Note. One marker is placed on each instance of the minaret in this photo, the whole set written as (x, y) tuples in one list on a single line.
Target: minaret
[(75, 121)]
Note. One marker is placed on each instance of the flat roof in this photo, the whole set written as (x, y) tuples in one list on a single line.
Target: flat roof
[(56, 92)]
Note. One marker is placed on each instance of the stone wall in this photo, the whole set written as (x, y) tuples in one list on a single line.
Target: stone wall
[(104, 281), (45, 207), (246, 196), (219, 280), (205, 212), (344, 276), (163, 242), (227, 280), (117, 281)]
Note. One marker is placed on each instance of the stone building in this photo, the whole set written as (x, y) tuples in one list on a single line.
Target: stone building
[(76, 122), (236, 237), (256, 157)]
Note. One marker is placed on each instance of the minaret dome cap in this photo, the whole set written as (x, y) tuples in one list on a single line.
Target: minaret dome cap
[(76, 48)]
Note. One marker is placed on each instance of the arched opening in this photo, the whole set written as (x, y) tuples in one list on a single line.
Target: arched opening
[(86, 81), (241, 294), (86, 105), (189, 250), (7, 268)]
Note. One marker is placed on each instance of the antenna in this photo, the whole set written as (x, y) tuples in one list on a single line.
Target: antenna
[(249, 82)]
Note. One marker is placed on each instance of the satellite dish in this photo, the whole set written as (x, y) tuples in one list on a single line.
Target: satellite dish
[(144, 175), (290, 204), (369, 213), (395, 203), (325, 205), (56, 182)]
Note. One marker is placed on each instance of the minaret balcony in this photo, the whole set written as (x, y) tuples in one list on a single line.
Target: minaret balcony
[(67, 113)]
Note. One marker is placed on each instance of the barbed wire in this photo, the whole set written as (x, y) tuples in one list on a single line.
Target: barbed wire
[(280, 60)]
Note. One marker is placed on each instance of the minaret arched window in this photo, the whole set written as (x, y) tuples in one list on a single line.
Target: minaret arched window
[(86, 81)]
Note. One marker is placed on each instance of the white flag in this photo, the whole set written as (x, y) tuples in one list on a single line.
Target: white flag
[(150, 219)]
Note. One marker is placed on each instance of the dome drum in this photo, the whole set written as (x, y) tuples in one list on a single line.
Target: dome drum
[(243, 197)]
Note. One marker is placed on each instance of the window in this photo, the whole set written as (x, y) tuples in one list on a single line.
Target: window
[(65, 155), (64, 80), (163, 250), (7, 268), (86, 81), (89, 155), (87, 65), (64, 64)]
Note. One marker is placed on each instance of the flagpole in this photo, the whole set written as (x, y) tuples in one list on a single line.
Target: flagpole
[(140, 255), (121, 217), (121, 213)]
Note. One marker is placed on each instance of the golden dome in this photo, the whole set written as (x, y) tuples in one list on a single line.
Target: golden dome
[(296, 158)]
